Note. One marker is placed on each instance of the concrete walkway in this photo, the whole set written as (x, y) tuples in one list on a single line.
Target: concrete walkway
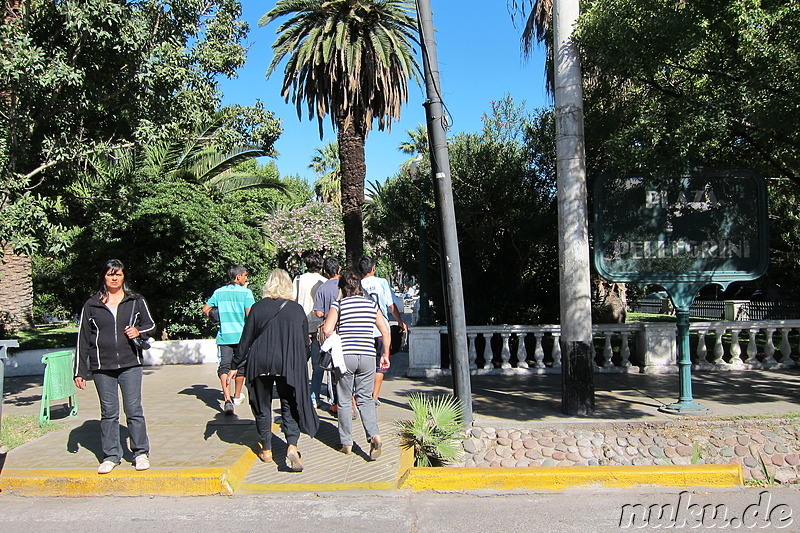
[(196, 449)]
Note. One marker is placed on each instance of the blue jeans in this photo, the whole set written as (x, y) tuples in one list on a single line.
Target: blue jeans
[(108, 384), (316, 372)]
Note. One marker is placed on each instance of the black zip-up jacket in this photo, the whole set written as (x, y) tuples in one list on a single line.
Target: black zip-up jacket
[(102, 343)]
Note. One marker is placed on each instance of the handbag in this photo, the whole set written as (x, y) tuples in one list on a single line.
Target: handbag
[(325, 361), (139, 342)]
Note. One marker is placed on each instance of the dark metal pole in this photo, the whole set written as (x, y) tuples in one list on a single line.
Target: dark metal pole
[(423, 295), (451, 262)]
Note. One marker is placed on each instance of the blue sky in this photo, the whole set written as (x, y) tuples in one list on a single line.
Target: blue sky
[(479, 61)]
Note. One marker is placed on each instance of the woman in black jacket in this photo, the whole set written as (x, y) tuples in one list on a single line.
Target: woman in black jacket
[(109, 350), (274, 345)]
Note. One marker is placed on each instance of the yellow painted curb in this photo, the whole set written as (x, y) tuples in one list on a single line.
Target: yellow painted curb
[(560, 478), (260, 488), (161, 481)]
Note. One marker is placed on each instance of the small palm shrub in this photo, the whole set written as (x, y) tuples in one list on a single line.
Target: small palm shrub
[(435, 431)]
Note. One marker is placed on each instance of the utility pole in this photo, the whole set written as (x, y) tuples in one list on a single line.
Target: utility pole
[(577, 383), (440, 168)]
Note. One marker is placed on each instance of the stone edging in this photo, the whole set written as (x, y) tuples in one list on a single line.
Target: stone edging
[(731, 441)]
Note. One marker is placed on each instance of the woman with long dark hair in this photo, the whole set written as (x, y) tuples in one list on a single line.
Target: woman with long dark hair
[(355, 315), (110, 342)]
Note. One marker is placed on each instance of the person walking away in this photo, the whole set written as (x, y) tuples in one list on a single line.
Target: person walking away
[(356, 315), (327, 293), (233, 302), (305, 288), (273, 352), (114, 325), (378, 289)]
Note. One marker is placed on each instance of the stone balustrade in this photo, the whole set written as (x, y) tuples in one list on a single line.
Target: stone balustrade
[(641, 347)]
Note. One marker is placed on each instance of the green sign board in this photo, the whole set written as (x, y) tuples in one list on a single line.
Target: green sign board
[(707, 227)]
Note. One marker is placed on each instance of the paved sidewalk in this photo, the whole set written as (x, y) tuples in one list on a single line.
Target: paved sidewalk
[(198, 450)]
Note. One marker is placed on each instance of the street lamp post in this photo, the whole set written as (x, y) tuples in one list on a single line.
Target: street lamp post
[(424, 313), (450, 259)]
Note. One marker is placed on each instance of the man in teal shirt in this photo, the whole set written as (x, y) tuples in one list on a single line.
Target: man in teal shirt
[(233, 302)]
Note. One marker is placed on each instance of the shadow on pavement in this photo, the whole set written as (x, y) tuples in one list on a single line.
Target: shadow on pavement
[(207, 395), (87, 436)]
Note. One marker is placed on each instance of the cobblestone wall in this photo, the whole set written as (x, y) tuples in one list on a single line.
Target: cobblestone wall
[(745, 442)]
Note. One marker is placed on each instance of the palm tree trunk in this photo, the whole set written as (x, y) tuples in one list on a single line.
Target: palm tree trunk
[(16, 285), (16, 291), (354, 171)]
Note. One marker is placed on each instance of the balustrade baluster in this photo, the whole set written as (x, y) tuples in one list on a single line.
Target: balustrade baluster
[(786, 348), (736, 350), (702, 351), (505, 353), (752, 349), (473, 353), (538, 351), (487, 352), (607, 351), (625, 350), (719, 350), (557, 350), (769, 348), (522, 352)]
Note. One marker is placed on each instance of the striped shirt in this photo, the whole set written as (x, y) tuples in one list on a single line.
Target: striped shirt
[(357, 316)]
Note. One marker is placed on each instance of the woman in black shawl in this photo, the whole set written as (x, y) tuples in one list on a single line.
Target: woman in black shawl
[(273, 345)]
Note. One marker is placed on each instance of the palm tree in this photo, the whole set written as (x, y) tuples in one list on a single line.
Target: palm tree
[(195, 159), (16, 285), (350, 59), (417, 144), (326, 166), (538, 15)]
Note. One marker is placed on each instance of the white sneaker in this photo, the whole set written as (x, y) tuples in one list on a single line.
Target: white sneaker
[(237, 400), (106, 467), (141, 462)]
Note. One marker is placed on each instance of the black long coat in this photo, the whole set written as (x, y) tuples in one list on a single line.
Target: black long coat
[(278, 346)]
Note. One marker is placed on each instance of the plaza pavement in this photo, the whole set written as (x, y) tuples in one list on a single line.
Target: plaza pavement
[(197, 450)]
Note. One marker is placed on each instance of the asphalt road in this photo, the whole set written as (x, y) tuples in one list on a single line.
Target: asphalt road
[(585, 511)]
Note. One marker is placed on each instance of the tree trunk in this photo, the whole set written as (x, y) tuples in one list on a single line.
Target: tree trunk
[(16, 292), (609, 301), (353, 172)]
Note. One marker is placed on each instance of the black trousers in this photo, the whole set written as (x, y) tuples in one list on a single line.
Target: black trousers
[(261, 404)]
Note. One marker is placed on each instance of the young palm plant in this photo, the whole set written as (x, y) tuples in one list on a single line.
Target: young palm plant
[(435, 431)]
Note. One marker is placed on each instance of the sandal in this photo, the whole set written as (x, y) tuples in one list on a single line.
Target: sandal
[(375, 447), (294, 461)]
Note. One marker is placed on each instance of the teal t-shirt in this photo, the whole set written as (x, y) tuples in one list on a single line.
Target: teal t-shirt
[(231, 301)]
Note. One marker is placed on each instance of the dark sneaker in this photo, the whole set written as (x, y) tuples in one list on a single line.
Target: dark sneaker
[(228, 408)]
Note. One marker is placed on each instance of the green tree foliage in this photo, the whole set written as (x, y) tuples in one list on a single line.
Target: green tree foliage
[(177, 243), (674, 84), (325, 164), (75, 75), (504, 194), (314, 227), (350, 59)]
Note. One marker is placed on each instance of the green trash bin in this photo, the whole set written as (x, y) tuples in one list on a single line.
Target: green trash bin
[(58, 383)]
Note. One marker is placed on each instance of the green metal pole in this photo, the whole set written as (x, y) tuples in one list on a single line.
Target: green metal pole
[(686, 404)]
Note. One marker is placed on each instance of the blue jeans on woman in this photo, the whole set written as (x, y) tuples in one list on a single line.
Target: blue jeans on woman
[(108, 384)]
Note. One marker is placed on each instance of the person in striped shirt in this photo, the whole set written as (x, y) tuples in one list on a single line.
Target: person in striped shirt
[(353, 317)]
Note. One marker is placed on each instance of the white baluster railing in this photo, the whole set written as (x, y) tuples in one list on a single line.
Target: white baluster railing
[(616, 343)]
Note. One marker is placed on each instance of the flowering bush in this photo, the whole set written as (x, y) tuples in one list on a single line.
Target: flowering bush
[(315, 227)]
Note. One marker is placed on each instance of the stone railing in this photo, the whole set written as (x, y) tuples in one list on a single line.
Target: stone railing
[(642, 347)]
